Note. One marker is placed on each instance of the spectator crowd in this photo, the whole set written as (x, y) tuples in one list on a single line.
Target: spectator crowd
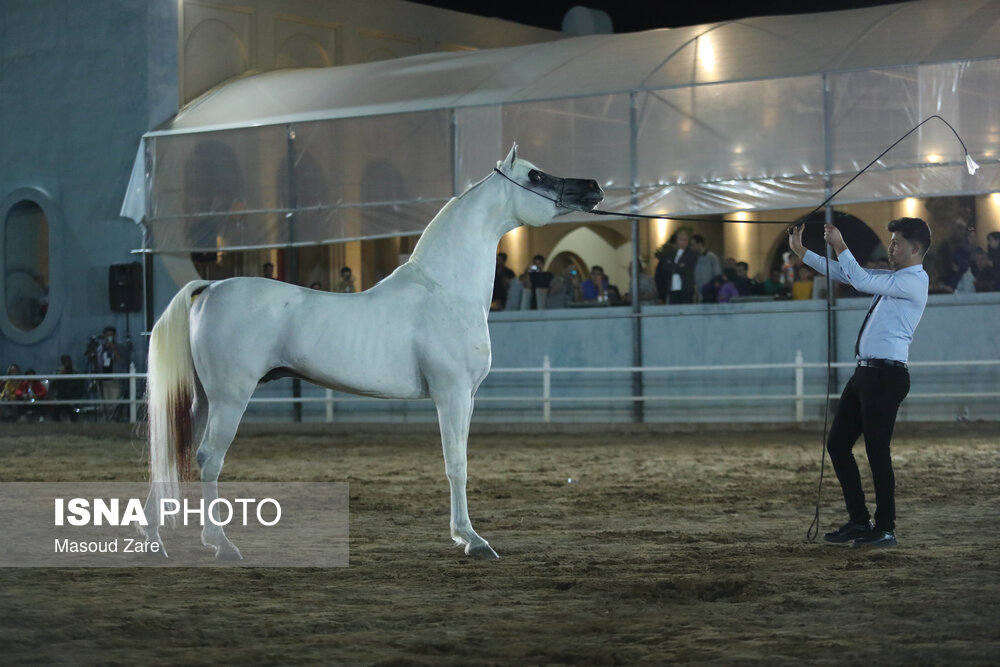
[(26, 398), (688, 272)]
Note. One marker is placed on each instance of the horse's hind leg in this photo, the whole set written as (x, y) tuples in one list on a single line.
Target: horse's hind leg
[(454, 415), (222, 420)]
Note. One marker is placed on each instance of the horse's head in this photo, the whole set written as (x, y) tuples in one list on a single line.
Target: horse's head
[(540, 196)]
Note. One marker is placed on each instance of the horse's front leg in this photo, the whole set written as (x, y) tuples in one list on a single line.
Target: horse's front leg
[(454, 415)]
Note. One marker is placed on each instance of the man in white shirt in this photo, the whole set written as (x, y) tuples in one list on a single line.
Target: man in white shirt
[(881, 381)]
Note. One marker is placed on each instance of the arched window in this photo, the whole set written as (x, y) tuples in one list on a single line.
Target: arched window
[(26, 264)]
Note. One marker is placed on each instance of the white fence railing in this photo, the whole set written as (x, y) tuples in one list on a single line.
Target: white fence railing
[(797, 394)]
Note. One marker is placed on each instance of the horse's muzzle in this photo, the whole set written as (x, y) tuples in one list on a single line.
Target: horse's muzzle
[(580, 193)]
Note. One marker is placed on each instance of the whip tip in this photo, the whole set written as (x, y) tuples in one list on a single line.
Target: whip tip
[(971, 164)]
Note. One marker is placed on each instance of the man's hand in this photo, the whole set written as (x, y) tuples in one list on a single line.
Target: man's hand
[(795, 240), (834, 238)]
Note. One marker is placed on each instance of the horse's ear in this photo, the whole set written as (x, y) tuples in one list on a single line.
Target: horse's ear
[(511, 156)]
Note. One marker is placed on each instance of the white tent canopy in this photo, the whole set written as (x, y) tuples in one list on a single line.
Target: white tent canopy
[(759, 113)]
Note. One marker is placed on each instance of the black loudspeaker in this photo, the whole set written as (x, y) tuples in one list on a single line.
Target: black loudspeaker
[(125, 287)]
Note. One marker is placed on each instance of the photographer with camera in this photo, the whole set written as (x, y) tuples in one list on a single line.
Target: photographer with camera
[(539, 279), (112, 357)]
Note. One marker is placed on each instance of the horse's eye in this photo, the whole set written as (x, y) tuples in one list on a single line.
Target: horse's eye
[(535, 176)]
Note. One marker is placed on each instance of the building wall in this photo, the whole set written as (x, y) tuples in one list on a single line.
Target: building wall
[(80, 82)]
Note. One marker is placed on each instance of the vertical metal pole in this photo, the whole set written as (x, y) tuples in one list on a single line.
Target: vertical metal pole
[(800, 386), (455, 155), (831, 297), (546, 390), (147, 259), (291, 260), (637, 405), (329, 406), (132, 397)]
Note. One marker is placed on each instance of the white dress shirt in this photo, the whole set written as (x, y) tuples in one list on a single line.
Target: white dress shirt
[(890, 328), (675, 280)]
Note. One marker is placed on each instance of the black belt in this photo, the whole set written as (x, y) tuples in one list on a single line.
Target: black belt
[(881, 363)]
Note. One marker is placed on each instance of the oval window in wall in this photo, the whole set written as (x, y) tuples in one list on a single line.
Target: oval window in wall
[(26, 265)]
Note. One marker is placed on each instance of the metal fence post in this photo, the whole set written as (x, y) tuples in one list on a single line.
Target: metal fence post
[(800, 404), (546, 390), (132, 408), (329, 406)]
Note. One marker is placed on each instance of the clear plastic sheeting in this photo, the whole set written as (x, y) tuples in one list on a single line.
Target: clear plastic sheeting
[(301, 184), (757, 114)]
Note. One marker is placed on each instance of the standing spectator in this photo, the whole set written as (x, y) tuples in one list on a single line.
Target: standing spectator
[(954, 255), (539, 280), (267, 270), (984, 271), (993, 254), (675, 271), (67, 390), (993, 249), (647, 287), (113, 357), (501, 279), (515, 292), (707, 267), (346, 285), (966, 282)]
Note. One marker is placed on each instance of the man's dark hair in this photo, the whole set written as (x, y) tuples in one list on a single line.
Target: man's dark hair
[(502, 254), (913, 230), (698, 238), (541, 259), (744, 265), (597, 267), (993, 235), (111, 329)]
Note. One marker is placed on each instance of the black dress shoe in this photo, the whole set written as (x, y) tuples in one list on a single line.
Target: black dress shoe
[(849, 531), (876, 538)]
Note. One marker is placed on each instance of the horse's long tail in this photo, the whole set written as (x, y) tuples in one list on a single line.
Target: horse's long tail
[(170, 387)]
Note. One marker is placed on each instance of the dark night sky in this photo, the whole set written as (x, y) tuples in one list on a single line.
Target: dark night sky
[(630, 16)]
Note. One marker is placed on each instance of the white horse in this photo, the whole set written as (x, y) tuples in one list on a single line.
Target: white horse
[(421, 332)]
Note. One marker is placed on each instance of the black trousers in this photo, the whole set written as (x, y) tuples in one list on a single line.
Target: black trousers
[(868, 405)]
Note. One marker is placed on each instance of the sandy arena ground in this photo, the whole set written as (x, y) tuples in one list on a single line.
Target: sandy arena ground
[(674, 546)]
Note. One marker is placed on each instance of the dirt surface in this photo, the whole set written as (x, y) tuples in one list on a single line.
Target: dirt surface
[(672, 546)]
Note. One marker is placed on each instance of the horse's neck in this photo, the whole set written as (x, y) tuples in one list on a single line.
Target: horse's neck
[(458, 248)]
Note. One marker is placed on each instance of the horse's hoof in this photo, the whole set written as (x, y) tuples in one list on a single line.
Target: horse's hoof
[(483, 552), (229, 552), (159, 552)]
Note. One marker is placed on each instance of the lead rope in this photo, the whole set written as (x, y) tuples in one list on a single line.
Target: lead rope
[(813, 531)]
